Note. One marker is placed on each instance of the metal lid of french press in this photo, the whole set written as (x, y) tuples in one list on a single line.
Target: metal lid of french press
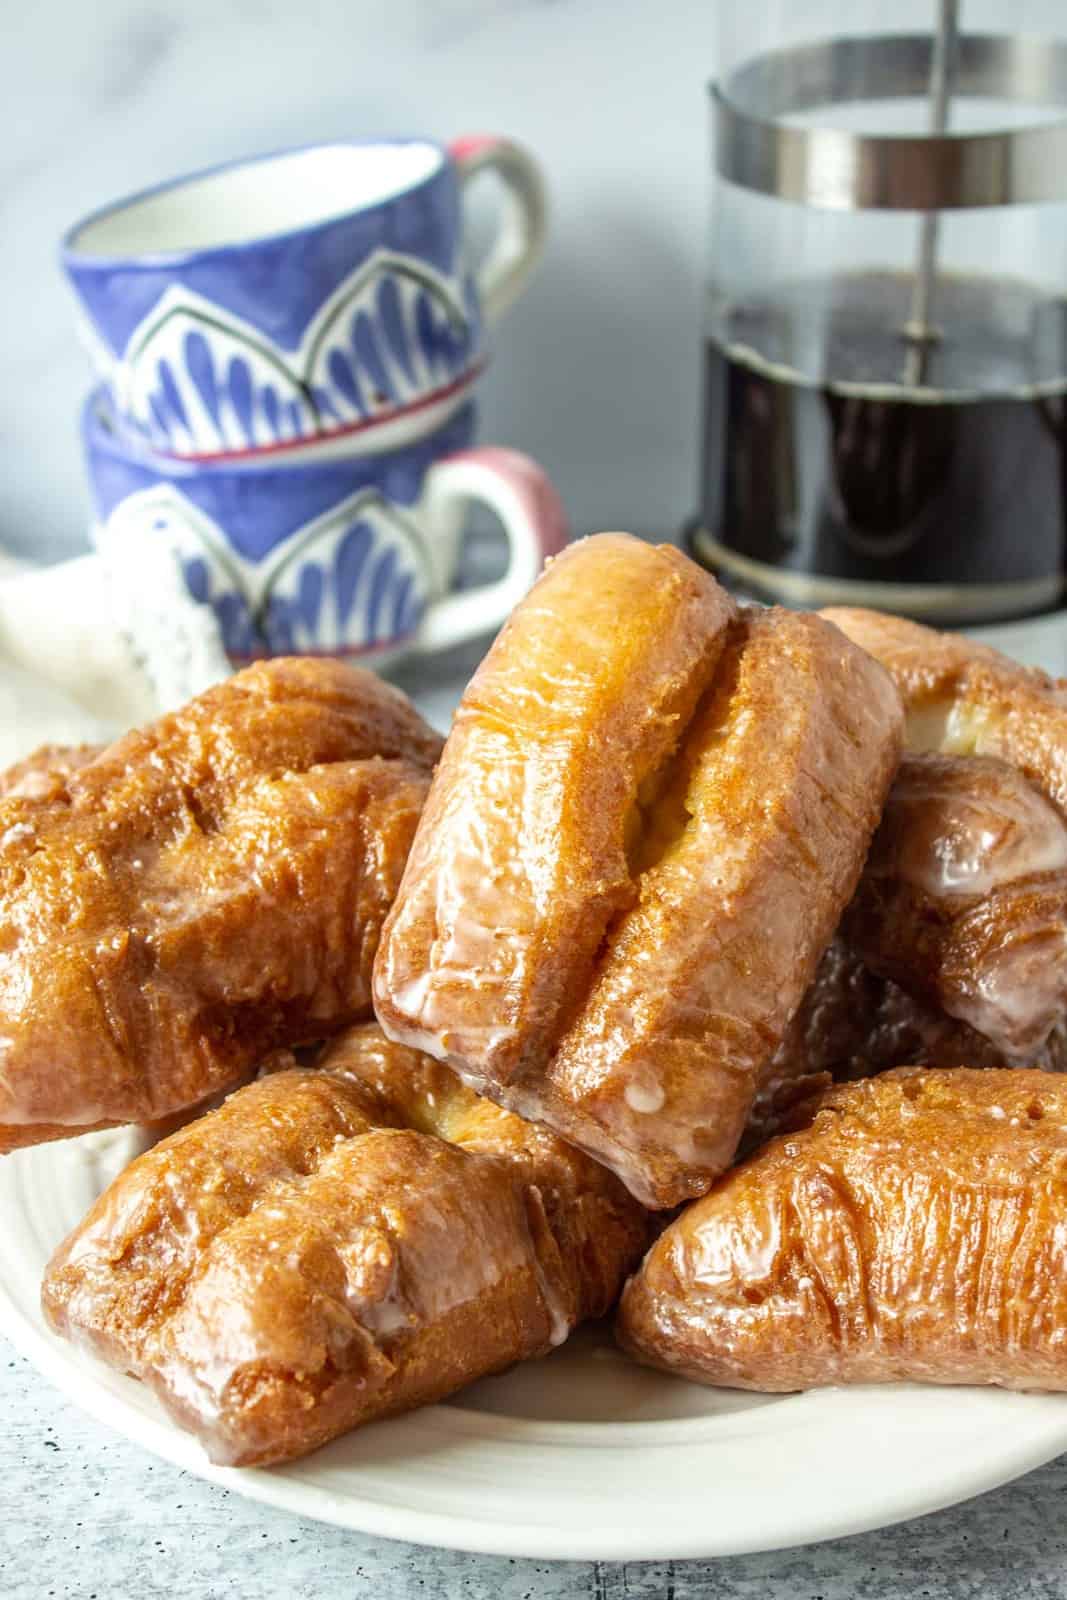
[(839, 169)]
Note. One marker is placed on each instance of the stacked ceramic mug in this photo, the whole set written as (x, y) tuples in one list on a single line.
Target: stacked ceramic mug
[(287, 350)]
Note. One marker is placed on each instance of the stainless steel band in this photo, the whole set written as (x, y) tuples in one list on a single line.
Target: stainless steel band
[(832, 167), (960, 604)]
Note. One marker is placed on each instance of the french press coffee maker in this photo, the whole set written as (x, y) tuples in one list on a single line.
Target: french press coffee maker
[(886, 323)]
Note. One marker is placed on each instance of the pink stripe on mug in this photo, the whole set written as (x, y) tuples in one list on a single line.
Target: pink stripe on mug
[(514, 487)]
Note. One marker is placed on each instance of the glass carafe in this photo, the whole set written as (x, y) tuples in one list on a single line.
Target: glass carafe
[(886, 321)]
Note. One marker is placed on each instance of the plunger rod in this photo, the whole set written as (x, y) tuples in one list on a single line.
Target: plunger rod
[(919, 329)]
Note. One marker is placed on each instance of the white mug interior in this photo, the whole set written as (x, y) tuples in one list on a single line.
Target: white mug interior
[(257, 199)]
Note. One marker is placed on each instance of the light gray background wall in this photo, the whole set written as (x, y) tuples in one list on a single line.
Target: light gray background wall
[(596, 371)]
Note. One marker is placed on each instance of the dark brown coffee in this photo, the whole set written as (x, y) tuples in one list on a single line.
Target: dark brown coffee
[(828, 454)]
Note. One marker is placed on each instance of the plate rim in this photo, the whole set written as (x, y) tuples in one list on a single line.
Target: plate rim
[(281, 1490)]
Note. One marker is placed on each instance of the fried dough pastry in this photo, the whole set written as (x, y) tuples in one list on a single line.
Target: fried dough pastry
[(202, 892), (854, 1024), (521, 866), (912, 1229), (965, 903), (338, 1244), (963, 900), (648, 818), (964, 699), (46, 770)]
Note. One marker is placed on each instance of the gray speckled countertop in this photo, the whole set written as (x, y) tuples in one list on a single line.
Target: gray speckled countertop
[(84, 1514)]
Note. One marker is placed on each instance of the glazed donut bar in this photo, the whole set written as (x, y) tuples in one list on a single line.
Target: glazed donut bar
[(952, 950), (852, 1024), (523, 864), (199, 893), (964, 699), (910, 1229), (337, 1244), (647, 821), (964, 901)]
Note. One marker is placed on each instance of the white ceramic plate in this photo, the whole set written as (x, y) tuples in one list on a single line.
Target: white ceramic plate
[(582, 1455)]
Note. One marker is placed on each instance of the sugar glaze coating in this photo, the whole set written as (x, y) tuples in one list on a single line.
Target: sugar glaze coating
[(205, 890), (336, 1244), (910, 1228), (648, 818)]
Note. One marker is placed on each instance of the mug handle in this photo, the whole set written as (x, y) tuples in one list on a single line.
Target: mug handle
[(520, 235), (524, 498)]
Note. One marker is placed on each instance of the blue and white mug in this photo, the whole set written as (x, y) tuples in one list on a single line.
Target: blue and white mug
[(353, 555), (319, 299)]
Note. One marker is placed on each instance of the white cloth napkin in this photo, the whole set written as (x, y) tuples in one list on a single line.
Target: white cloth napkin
[(173, 640), (33, 712), (116, 633)]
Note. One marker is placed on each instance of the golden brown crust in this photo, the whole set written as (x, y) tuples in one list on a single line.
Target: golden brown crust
[(149, 1133), (520, 864), (965, 699), (911, 1229), (201, 892), (593, 1219), (313, 1255), (46, 770), (14, 1137), (852, 1024), (608, 929), (963, 900), (786, 765), (926, 665)]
